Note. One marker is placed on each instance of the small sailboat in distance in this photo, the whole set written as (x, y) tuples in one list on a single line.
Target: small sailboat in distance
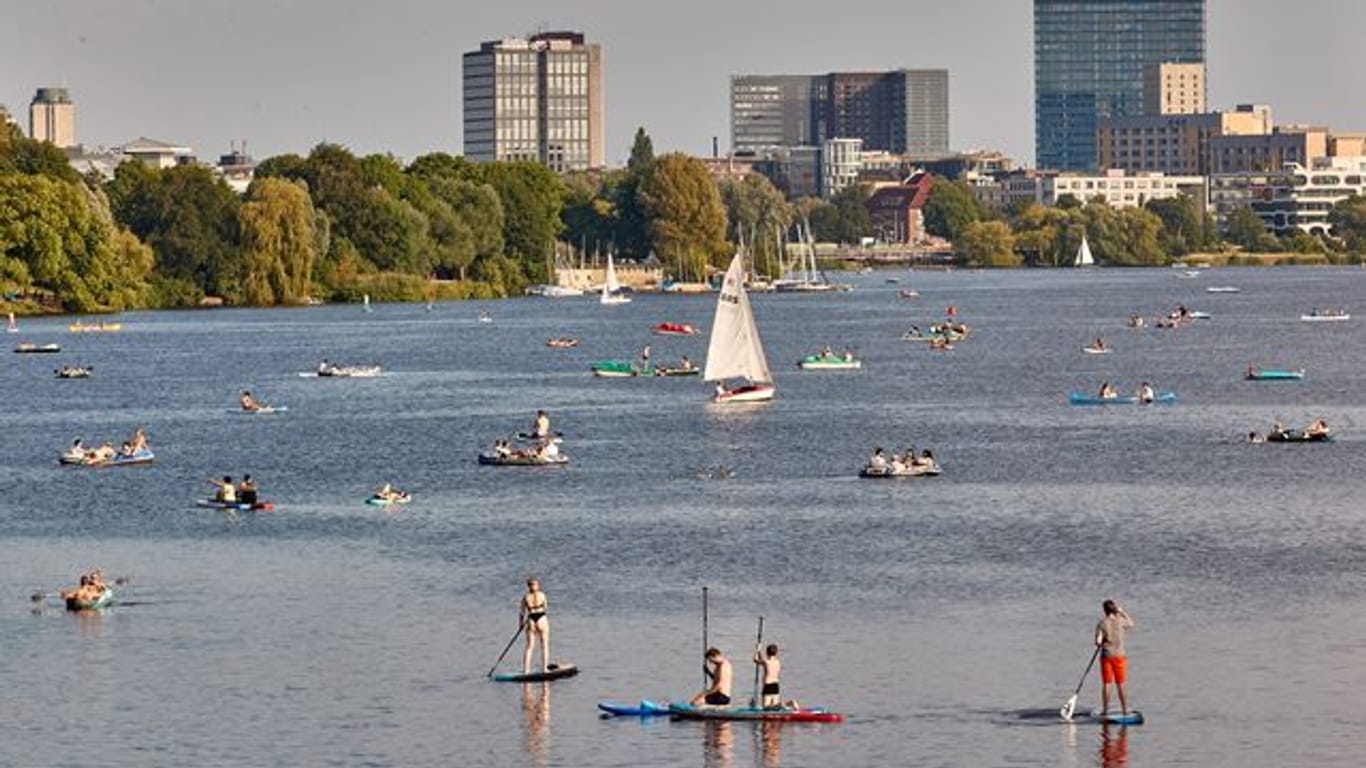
[(13, 326), (366, 302), (735, 351), (1084, 258), (611, 289)]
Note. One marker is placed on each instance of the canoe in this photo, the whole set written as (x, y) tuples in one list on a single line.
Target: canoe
[(239, 506), (106, 597), (264, 410), (888, 472), (1094, 351), (674, 329), (1275, 375), (351, 372), (1081, 398), (29, 348), (620, 369), (645, 708), (1297, 436), (1200, 316), (694, 371), (376, 501), (556, 672), (828, 363), (489, 458), (1223, 289), (803, 715)]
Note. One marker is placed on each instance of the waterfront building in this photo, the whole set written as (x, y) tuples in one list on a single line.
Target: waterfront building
[(841, 164), (536, 99), (1090, 57), (1119, 189), (899, 111), (52, 117), (1013, 189), (1294, 197), (1284, 145), (1178, 144), (898, 210)]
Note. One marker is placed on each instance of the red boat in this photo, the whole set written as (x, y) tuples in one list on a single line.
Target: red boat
[(674, 329)]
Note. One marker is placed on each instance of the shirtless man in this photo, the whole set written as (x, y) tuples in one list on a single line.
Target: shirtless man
[(772, 667), (542, 426), (718, 693), (531, 615), (248, 402), (139, 441), (1113, 663)]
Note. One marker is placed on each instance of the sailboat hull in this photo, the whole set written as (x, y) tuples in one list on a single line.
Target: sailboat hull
[(752, 393)]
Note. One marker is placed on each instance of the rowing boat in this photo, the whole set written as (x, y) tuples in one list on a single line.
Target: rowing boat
[(1270, 375), (674, 329), (237, 506), (29, 348), (1299, 436), (382, 501), (786, 715), (1081, 398), (620, 369), (888, 472), (493, 459), (144, 456)]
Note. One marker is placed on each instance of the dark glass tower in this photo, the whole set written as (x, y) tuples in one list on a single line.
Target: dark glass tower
[(1089, 57)]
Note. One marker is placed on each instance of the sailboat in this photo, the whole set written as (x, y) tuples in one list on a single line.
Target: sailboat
[(735, 351), (1083, 258), (367, 303), (808, 278), (13, 326), (611, 288)]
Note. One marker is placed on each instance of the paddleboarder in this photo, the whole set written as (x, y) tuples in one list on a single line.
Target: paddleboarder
[(719, 670), (1113, 662), (772, 667), (531, 615)]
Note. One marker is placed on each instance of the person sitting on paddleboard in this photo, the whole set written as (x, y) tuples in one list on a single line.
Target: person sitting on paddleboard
[(227, 492), (1146, 395), (531, 616), (772, 668), (246, 490), (248, 402), (1114, 668), (719, 670)]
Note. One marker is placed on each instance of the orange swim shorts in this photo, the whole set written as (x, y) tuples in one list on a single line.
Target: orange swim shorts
[(1114, 669)]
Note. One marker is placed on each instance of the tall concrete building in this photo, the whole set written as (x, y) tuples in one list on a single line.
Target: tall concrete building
[(535, 99), (1089, 62), (52, 117), (901, 111), (1176, 144), (1174, 89)]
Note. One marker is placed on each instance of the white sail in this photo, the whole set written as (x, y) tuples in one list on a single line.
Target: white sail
[(735, 350), (13, 324), (1084, 255), (610, 286)]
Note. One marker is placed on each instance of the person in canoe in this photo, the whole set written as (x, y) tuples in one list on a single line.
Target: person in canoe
[(772, 667), (247, 491), (719, 670), (77, 451), (1107, 391), (827, 352), (547, 450), (925, 460), (1098, 345), (541, 427), (325, 368), (1146, 395), (91, 587), (1114, 667), (248, 402), (227, 492), (531, 615), (877, 462), (502, 449)]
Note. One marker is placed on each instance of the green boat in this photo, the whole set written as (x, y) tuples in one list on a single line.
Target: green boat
[(846, 362), (621, 369)]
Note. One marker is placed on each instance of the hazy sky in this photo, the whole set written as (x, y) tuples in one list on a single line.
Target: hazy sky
[(384, 76)]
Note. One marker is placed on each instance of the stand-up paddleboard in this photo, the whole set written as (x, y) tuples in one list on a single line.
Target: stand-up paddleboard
[(645, 708), (1113, 718), (785, 715), (556, 672)]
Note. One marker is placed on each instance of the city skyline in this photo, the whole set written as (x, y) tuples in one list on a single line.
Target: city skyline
[(261, 71)]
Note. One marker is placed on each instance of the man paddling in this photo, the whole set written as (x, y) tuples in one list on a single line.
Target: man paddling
[(719, 670), (1113, 663), (772, 667)]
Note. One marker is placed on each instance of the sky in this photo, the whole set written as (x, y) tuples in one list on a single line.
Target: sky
[(384, 76)]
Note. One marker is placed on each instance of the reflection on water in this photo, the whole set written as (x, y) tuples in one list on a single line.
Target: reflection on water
[(536, 717), (1114, 746), (771, 744), (718, 744)]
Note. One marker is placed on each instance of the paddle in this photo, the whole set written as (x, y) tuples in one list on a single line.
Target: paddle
[(706, 673), (38, 597), (758, 644), (506, 648), (1071, 705)]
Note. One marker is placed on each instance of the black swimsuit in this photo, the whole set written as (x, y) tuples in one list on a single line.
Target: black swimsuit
[(770, 689)]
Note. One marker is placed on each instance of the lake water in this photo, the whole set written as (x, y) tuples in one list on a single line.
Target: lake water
[(933, 612)]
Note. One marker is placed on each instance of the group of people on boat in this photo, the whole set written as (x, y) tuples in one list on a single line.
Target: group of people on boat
[(1145, 394), (827, 353), (227, 492), (543, 449), (92, 588), (389, 494), (897, 463), (73, 371), (1318, 429), (78, 453), (1099, 345)]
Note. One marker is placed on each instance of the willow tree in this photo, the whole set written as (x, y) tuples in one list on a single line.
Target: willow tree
[(279, 241)]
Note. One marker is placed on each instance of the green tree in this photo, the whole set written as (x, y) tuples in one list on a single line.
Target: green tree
[(279, 241), (1348, 219), (1244, 228), (950, 208), (988, 244), (642, 152), (854, 222), (757, 213), (1183, 225), (687, 218)]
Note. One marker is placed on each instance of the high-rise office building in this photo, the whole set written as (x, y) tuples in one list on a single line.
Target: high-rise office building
[(535, 99), (1089, 63), (52, 117), (901, 111)]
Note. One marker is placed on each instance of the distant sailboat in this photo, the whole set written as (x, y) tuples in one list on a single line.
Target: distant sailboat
[(611, 288), (1084, 258), (735, 351), (367, 303), (13, 326)]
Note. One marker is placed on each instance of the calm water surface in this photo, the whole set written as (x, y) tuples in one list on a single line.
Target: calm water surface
[(932, 612)]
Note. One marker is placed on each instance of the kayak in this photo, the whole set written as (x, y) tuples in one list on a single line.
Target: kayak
[(556, 672), (1298, 436), (376, 501), (1331, 317), (803, 715), (1223, 289), (262, 411), (694, 371), (829, 363), (1081, 398), (489, 458), (29, 348), (620, 369), (1275, 375), (645, 708), (888, 472), (239, 506), (674, 329), (106, 597)]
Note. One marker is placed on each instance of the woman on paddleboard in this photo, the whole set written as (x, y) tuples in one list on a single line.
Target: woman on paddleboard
[(531, 616)]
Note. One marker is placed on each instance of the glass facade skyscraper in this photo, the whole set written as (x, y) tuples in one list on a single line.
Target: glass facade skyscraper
[(1089, 60)]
